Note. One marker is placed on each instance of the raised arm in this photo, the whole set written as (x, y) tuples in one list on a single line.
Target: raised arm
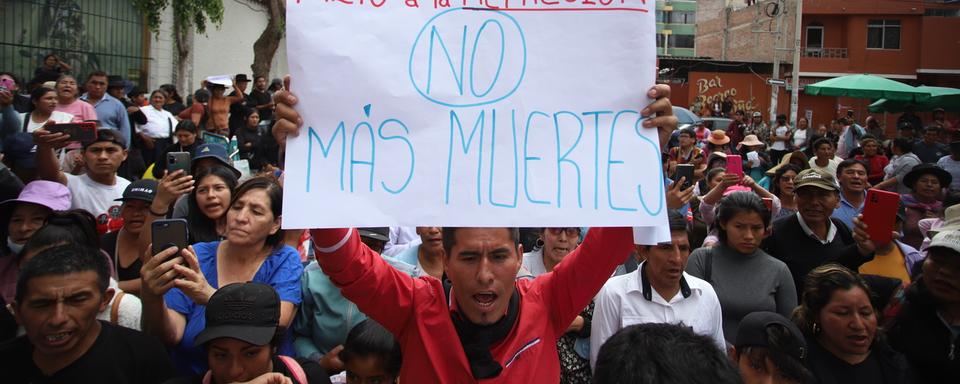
[(47, 166), (380, 291)]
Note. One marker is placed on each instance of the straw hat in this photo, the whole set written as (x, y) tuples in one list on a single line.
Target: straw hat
[(718, 137), (751, 140)]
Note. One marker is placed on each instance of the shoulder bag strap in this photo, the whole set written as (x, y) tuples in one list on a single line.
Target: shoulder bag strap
[(26, 121), (295, 369), (115, 308), (708, 266)]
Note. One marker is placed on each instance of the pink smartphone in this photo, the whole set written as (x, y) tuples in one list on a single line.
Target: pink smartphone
[(735, 165)]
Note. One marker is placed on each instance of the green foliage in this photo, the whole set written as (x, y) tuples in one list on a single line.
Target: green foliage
[(187, 14)]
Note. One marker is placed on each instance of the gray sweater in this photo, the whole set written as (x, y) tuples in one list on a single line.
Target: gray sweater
[(745, 284)]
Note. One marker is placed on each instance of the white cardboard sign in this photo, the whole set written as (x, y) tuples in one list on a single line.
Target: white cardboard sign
[(519, 113)]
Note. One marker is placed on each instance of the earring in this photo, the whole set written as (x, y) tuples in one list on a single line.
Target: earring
[(816, 329), (538, 244)]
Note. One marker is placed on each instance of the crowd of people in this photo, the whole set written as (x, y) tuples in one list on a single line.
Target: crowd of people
[(771, 273)]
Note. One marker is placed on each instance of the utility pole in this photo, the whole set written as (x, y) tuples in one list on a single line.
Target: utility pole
[(795, 92), (775, 89)]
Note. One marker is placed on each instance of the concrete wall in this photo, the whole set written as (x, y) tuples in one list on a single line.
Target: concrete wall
[(227, 50), (162, 54)]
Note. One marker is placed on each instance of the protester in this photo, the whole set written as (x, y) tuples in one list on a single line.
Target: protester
[(875, 160), (848, 143), (68, 100), (688, 153), (929, 150), (111, 113), (745, 277), (466, 308), (157, 133), (825, 160), (59, 293), (783, 188), (19, 102), (206, 155), (250, 140), (177, 284), (218, 107), (370, 355), (951, 163), (755, 159), (800, 137), (770, 349), (658, 292), (50, 69), (812, 237), (555, 244), (900, 165), (198, 111), (261, 99), (924, 328), (852, 175), (77, 228), (924, 201), (19, 163), (239, 102), (123, 245), (874, 129), (187, 141), (24, 216), (735, 128), (173, 102), (840, 324), (97, 189), (656, 353), (44, 111), (242, 336), (780, 139), (209, 202), (758, 127)]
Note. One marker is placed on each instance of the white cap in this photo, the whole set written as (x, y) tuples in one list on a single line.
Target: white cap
[(224, 80), (947, 239)]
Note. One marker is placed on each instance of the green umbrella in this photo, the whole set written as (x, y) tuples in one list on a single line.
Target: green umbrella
[(866, 87), (941, 97)]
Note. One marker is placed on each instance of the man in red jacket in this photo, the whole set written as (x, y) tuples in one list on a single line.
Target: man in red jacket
[(480, 324)]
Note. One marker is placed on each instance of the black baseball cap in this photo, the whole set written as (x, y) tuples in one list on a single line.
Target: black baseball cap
[(376, 233), (143, 189), (752, 332), (213, 151), (107, 135), (247, 312)]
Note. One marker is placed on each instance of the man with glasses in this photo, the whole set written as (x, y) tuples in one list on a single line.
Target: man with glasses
[(812, 237), (110, 112)]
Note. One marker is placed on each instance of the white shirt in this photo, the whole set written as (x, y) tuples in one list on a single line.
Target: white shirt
[(92, 196), (780, 145), (533, 263), (401, 238), (57, 117), (621, 303), (799, 137), (806, 229), (160, 123), (831, 167)]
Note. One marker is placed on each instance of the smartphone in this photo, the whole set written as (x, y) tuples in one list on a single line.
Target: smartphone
[(178, 160), (880, 214), (85, 132), (735, 165), (6, 84), (684, 170), (169, 233)]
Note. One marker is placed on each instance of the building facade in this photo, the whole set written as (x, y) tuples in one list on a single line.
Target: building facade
[(676, 28)]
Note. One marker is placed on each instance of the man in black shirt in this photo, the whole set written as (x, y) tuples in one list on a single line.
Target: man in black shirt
[(59, 293), (236, 109), (261, 99)]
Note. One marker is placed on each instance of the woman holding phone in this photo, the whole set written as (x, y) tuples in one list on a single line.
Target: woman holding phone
[(44, 101), (178, 283)]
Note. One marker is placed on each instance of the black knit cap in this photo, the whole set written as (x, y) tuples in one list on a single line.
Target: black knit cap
[(752, 332)]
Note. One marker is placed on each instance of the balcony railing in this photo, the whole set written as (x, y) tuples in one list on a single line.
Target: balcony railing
[(825, 53)]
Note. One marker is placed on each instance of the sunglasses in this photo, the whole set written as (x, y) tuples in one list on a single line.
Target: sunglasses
[(570, 231)]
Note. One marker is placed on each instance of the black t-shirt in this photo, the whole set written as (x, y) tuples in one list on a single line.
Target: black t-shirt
[(108, 242), (261, 98), (119, 355), (315, 374)]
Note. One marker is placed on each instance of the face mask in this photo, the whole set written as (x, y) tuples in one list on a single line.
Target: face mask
[(14, 247)]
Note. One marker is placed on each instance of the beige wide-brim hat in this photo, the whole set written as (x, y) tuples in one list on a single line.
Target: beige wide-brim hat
[(751, 140), (718, 137)]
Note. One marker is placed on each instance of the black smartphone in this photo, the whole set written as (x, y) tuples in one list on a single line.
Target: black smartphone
[(178, 160), (85, 132), (684, 170), (169, 233)]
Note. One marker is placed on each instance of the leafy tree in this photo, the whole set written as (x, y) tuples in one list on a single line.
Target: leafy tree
[(188, 16)]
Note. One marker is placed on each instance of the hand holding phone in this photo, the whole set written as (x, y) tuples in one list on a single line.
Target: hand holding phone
[(178, 161), (85, 132), (169, 233), (684, 170)]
